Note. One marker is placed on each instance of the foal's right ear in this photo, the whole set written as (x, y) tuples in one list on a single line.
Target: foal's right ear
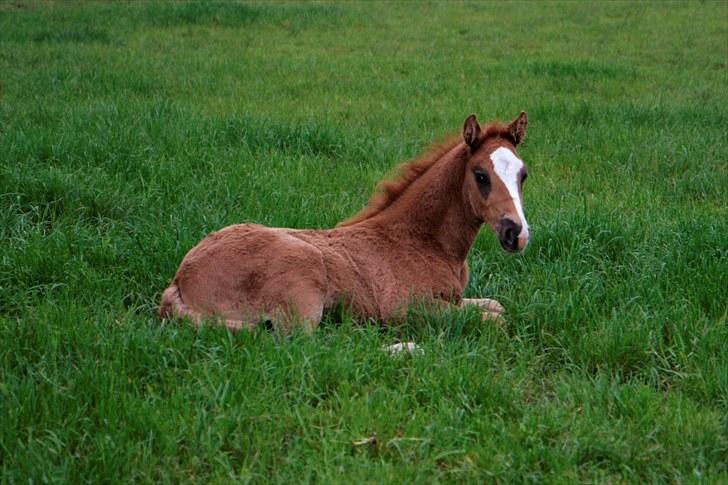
[(471, 131)]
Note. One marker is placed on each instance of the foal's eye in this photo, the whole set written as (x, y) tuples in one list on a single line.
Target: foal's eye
[(481, 178), (483, 183)]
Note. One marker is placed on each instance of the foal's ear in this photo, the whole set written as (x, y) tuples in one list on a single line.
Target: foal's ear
[(517, 128), (471, 131)]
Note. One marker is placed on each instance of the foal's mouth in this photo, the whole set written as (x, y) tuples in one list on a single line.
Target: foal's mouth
[(509, 235), (513, 245), (510, 248)]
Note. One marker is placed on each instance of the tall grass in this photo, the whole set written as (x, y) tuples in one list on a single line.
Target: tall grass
[(128, 131)]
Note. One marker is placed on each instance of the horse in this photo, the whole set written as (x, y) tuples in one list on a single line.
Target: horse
[(410, 242)]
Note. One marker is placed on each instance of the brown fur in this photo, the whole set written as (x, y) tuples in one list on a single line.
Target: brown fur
[(388, 190), (410, 241)]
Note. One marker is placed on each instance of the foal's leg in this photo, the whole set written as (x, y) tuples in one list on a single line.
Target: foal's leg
[(306, 311), (299, 307), (492, 310), (235, 325)]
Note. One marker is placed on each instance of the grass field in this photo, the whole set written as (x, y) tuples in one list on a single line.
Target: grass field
[(128, 131)]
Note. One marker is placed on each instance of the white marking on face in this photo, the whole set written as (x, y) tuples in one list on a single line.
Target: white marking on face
[(507, 166)]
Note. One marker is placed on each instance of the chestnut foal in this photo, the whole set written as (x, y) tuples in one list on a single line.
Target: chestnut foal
[(409, 243)]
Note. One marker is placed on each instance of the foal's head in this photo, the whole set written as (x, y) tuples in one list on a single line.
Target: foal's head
[(494, 179)]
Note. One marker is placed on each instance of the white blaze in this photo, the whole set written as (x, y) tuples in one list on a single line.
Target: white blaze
[(507, 166)]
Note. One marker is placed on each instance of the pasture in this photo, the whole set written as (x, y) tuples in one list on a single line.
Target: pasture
[(129, 131)]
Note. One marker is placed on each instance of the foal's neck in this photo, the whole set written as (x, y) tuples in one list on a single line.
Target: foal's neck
[(433, 212)]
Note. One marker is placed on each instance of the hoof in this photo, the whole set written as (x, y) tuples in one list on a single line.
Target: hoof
[(403, 348), (493, 317), (492, 310), (488, 305)]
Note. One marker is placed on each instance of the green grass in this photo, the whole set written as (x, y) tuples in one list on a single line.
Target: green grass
[(129, 131)]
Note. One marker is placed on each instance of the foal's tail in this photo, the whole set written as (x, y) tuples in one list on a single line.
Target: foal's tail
[(173, 306)]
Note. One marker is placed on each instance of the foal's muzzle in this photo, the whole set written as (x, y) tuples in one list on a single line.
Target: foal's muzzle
[(508, 232)]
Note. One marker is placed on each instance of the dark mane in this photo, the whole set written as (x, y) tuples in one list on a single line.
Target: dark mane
[(388, 191)]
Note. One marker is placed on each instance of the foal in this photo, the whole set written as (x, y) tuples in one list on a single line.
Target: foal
[(410, 242)]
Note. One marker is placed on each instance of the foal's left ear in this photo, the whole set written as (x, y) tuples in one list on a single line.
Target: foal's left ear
[(517, 128), (471, 131)]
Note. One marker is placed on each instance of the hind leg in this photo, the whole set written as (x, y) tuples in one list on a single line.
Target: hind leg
[(306, 314), (281, 305), (304, 309)]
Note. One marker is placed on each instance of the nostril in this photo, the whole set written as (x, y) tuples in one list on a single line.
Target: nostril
[(516, 231), (510, 228), (509, 231)]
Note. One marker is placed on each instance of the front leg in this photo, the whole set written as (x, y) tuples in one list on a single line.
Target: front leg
[(492, 310)]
